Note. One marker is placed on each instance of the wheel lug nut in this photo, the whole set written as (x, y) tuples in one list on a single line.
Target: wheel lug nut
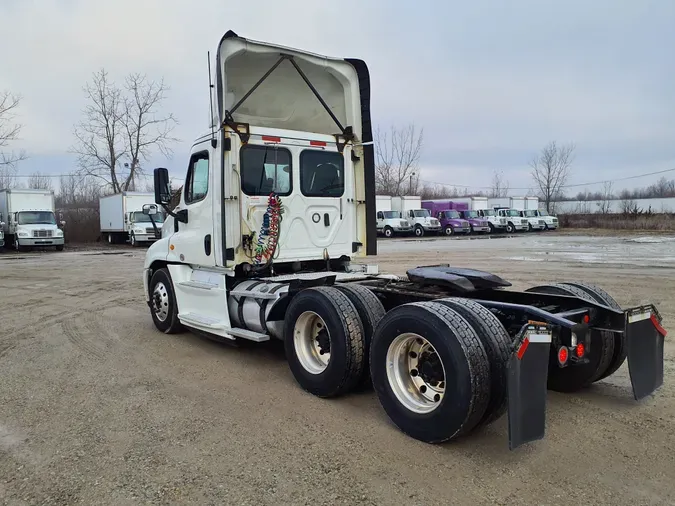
[(414, 373), (423, 388), (437, 397), (413, 354)]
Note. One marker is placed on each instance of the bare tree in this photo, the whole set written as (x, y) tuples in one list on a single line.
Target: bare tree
[(500, 186), (9, 132), (39, 181), (551, 169), (121, 129), (607, 195), (397, 160)]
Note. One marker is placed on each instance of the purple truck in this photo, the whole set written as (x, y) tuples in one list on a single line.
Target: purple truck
[(456, 217), (451, 221)]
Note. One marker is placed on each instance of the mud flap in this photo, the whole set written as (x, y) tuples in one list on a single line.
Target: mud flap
[(527, 377), (645, 338)]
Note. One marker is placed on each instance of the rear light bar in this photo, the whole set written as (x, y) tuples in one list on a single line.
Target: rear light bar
[(278, 140)]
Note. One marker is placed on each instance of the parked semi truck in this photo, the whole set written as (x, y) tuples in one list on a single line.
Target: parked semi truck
[(29, 220), (532, 204), (390, 223), (450, 219), (122, 218), (446, 349), (420, 218), (483, 210)]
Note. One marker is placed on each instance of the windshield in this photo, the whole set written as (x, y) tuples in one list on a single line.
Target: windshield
[(542, 213), (139, 217), (488, 212), (512, 212), (470, 214), (391, 214), (530, 214), (451, 215), (421, 213), (36, 218)]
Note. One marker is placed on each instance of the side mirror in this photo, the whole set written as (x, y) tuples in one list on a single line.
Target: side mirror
[(150, 209), (63, 223), (162, 187)]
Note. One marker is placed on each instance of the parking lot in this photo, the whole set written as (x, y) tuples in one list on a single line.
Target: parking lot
[(96, 406)]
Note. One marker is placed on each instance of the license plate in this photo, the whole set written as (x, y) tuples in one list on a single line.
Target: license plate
[(639, 316)]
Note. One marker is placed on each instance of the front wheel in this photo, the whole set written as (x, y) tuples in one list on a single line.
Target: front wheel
[(163, 305), (492, 228), (510, 228), (419, 231), (132, 240), (388, 232), (448, 230), (59, 247), (529, 227)]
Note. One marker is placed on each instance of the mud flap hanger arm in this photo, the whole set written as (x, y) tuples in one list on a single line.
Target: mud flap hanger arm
[(347, 132)]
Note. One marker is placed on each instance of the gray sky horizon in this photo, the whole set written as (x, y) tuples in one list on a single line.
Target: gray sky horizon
[(490, 82)]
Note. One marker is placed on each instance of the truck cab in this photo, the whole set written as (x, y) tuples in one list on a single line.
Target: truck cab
[(514, 221), (550, 221), (390, 223), (140, 228), (534, 222), (495, 223), (477, 222), (29, 219), (423, 223)]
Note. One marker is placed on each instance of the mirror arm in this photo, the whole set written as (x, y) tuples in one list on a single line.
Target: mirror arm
[(179, 216)]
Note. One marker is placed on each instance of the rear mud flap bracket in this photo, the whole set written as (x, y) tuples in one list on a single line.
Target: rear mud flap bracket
[(527, 378)]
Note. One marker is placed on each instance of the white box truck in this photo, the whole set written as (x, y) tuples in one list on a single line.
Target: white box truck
[(509, 209), (421, 220), (524, 206), (389, 223), (122, 218), (532, 204), (29, 219), (446, 349)]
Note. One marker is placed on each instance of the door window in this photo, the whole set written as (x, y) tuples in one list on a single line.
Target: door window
[(197, 183), (322, 173), (265, 169)]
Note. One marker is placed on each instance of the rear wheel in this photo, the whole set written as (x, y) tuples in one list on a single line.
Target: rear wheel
[(497, 344), (620, 345), (324, 341), (430, 371), (370, 311), (163, 303), (577, 376)]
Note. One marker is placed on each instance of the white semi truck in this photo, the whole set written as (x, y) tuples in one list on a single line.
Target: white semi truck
[(390, 223), (29, 220), (421, 220), (279, 200), (122, 218)]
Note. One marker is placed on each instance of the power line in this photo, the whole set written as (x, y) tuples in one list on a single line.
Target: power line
[(576, 185)]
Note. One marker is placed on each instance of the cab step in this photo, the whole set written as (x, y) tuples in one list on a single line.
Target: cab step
[(213, 324)]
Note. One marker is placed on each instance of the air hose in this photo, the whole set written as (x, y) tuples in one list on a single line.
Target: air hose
[(268, 238)]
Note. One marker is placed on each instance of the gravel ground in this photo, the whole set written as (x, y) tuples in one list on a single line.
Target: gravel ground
[(96, 407)]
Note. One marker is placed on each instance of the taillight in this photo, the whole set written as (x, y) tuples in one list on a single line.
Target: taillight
[(580, 350), (563, 355), (587, 318)]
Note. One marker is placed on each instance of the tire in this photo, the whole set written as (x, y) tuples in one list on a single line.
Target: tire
[(546, 227), (510, 228), (529, 227), (370, 311), (388, 232), (111, 239), (492, 228), (576, 377), (497, 344), (419, 231), (59, 247), (345, 334), (467, 383), (18, 247), (132, 240), (448, 230), (620, 344), (162, 296)]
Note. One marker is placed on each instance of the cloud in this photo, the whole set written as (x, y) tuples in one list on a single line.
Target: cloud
[(490, 81)]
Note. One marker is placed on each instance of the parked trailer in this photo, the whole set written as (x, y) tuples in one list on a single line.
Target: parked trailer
[(122, 218), (390, 223), (447, 349), (28, 220)]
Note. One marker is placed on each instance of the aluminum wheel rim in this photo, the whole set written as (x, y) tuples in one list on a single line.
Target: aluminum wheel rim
[(405, 380), (305, 339), (448, 230), (160, 301)]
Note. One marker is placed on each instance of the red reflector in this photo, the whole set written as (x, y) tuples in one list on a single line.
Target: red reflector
[(587, 318), (562, 355), (580, 350), (269, 138), (317, 143), (523, 347), (658, 326)]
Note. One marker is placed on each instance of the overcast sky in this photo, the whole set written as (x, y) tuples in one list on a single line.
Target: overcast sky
[(489, 81)]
